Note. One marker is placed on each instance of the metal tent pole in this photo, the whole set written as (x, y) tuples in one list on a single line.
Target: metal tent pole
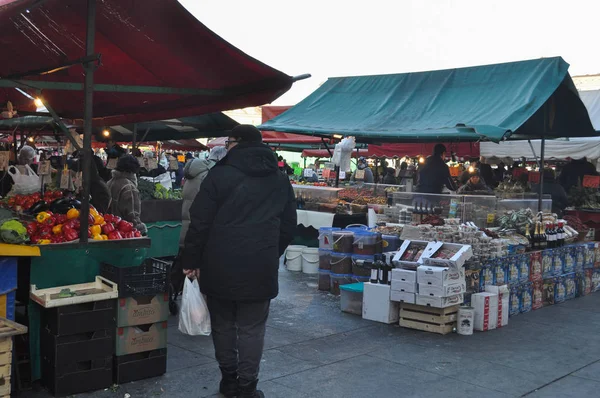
[(134, 139), (541, 185), (87, 127)]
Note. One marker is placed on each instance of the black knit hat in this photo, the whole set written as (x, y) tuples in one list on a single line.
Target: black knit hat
[(246, 133), (439, 149), (128, 164)]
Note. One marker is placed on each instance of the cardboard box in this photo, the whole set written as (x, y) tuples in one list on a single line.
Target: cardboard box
[(439, 302), (406, 245), (142, 310), (377, 305), (503, 294), (442, 291), (404, 275), (403, 297), (463, 253), (486, 311), (439, 276), (407, 287), (134, 339)]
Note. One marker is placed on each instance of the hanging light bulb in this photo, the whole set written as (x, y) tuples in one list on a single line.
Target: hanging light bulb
[(106, 133), (38, 102), (471, 169), (30, 139), (421, 159)]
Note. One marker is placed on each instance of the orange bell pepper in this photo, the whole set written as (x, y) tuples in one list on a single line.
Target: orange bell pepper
[(57, 229), (95, 230), (98, 220), (72, 214)]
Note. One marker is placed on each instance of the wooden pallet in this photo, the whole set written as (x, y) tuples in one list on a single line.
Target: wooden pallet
[(8, 329), (428, 319)]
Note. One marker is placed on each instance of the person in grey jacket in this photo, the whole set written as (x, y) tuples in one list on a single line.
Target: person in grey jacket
[(125, 197), (195, 171)]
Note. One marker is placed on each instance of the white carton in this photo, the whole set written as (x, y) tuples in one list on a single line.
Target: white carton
[(486, 311), (439, 276), (402, 297), (441, 291), (407, 287), (397, 260), (377, 305), (404, 275), (503, 302), (439, 302), (463, 253)]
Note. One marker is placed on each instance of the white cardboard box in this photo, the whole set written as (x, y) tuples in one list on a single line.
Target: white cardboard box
[(377, 305), (463, 253), (407, 287), (404, 275), (397, 260), (439, 276), (486, 311), (439, 302), (503, 303), (441, 291), (403, 297)]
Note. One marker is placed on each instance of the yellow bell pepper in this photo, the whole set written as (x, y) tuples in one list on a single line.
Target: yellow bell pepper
[(98, 220), (98, 237), (42, 217), (95, 230), (72, 213), (57, 229), (43, 242), (94, 212), (104, 237)]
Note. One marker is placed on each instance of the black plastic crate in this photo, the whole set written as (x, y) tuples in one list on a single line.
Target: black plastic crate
[(140, 366), (62, 351), (80, 318), (148, 279), (78, 377)]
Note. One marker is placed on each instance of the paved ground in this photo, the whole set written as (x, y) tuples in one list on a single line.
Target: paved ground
[(314, 350)]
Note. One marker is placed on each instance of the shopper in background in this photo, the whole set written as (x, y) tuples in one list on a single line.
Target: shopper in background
[(241, 223), (553, 188), (114, 150), (390, 176), (475, 185), (99, 194), (125, 197), (499, 173), (195, 171), (487, 174), (362, 173), (435, 173), (572, 174), (404, 174)]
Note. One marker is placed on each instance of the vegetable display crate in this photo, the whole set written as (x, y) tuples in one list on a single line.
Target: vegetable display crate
[(8, 329), (61, 351), (100, 289), (428, 319), (7, 305), (79, 377), (80, 318), (148, 279), (140, 366)]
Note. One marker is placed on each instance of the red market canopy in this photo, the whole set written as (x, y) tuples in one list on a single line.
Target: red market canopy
[(188, 145), (268, 113), (156, 61), (323, 153), (462, 149)]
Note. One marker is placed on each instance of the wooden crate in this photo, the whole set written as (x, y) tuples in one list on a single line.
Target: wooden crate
[(428, 319), (8, 329)]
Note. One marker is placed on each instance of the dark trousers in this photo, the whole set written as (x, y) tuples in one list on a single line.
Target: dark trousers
[(238, 332)]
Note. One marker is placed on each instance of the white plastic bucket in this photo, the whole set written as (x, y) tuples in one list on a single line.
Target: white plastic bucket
[(310, 260), (464, 324), (293, 256)]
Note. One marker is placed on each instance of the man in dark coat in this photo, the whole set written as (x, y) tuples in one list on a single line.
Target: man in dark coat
[(435, 173), (572, 174), (241, 222)]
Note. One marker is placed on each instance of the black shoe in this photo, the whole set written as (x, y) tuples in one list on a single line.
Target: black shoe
[(248, 390), (229, 384)]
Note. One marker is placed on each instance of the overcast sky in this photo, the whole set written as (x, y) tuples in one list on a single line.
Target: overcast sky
[(329, 38)]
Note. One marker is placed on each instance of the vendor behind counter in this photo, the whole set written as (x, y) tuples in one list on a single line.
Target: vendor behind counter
[(555, 190)]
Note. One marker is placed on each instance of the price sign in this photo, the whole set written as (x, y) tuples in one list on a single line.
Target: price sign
[(4, 155), (326, 173), (78, 180), (65, 180), (308, 173), (454, 171), (112, 163), (181, 158), (342, 175), (591, 181), (332, 175), (152, 164), (534, 177), (173, 164), (491, 218), (360, 175), (44, 168)]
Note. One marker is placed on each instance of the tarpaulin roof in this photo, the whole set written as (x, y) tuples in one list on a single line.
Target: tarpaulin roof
[(271, 111), (184, 145), (575, 148), (150, 43), (467, 104), (591, 99)]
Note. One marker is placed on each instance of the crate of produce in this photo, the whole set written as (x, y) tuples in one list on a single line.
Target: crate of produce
[(140, 366), (7, 305), (142, 310), (428, 319), (148, 279), (61, 351), (134, 339), (8, 329), (80, 318), (78, 377), (8, 273), (100, 289)]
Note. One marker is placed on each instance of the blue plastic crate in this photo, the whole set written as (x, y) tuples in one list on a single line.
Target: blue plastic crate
[(7, 305), (8, 273)]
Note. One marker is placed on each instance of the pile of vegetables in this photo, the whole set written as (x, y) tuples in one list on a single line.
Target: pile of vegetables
[(149, 191), (26, 202), (584, 198), (517, 220)]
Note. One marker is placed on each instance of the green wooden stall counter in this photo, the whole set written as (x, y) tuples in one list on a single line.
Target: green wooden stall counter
[(165, 238)]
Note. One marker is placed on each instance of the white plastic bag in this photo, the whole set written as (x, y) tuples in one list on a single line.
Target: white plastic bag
[(24, 184), (194, 318)]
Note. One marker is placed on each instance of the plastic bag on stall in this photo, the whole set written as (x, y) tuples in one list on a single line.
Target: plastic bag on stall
[(194, 318), (164, 179), (24, 184), (342, 153)]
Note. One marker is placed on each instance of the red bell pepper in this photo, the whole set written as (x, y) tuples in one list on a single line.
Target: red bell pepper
[(108, 228), (124, 226), (32, 228), (114, 235), (70, 235), (137, 234)]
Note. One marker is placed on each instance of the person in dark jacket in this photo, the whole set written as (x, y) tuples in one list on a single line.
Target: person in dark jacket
[(551, 187), (241, 222), (572, 174), (390, 176), (363, 172), (487, 174), (125, 196), (475, 185), (435, 173), (99, 193)]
